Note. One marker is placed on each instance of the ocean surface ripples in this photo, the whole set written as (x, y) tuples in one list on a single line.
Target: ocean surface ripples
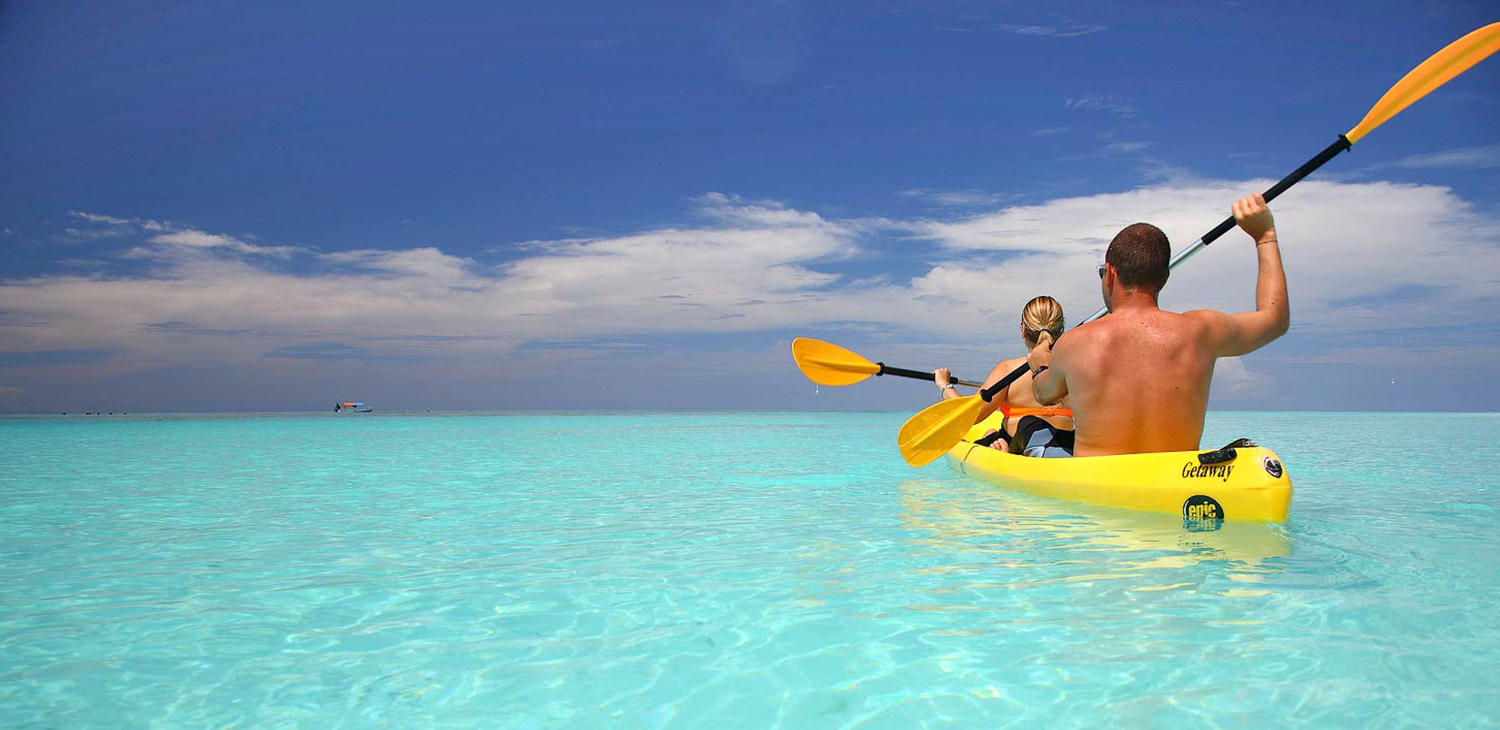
[(746, 570)]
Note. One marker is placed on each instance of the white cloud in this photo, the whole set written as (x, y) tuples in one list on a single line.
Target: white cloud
[(1107, 103), (425, 263), (1475, 158), (1061, 30), (190, 239), (1150, 168), (115, 221), (955, 198), (196, 238), (660, 280), (1347, 248), (751, 268), (1234, 380), (1355, 255), (163, 239), (92, 218)]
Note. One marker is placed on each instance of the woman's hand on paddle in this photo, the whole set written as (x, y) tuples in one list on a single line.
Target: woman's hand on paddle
[(942, 376), (1255, 218)]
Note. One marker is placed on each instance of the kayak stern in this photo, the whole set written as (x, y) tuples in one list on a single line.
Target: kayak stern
[(1253, 486)]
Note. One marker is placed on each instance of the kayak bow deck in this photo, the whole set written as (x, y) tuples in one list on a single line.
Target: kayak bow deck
[(1245, 483)]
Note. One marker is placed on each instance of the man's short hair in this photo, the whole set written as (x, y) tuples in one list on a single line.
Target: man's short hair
[(1141, 256)]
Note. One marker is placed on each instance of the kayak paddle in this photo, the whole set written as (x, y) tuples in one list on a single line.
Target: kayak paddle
[(825, 363), (938, 427)]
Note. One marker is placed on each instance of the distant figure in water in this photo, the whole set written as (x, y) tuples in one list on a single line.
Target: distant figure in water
[(1139, 378), (1032, 435)]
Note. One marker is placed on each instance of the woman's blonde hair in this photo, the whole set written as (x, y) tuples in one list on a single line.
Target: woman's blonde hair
[(1042, 313)]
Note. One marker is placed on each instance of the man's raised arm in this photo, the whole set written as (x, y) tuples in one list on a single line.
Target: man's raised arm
[(1244, 333)]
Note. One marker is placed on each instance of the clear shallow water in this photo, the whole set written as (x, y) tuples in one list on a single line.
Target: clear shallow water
[(731, 570)]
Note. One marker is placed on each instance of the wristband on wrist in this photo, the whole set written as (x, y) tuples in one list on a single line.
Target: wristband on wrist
[(942, 388), (1038, 371)]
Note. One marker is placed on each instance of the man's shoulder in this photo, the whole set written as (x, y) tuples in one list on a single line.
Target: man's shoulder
[(1111, 329), (1088, 328), (1082, 340), (1089, 331), (1203, 314), (1209, 318)]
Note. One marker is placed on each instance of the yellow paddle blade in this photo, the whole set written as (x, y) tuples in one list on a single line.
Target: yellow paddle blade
[(825, 363), (1432, 73), (937, 428)]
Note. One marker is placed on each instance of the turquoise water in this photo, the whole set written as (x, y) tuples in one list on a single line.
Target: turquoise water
[(723, 570)]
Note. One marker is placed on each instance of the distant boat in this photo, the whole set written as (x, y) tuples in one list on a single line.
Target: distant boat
[(352, 407)]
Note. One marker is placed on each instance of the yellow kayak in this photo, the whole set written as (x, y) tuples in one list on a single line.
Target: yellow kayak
[(1245, 483)]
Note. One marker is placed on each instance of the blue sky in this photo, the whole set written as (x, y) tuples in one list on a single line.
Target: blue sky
[(229, 206)]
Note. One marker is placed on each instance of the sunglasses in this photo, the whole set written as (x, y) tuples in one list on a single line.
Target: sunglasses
[(1102, 268)]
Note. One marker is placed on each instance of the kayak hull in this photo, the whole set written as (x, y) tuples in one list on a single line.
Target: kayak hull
[(1251, 487)]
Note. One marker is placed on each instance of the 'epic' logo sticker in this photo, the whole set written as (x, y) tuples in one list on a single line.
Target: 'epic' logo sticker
[(1200, 511)]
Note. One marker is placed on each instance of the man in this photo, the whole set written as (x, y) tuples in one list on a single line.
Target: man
[(1138, 379)]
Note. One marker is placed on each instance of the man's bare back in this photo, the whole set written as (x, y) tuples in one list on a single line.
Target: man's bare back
[(1139, 379)]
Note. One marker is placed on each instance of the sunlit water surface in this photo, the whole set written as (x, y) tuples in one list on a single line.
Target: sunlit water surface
[(723, 570)]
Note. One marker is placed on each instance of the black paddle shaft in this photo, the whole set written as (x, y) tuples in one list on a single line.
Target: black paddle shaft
[(988, 394), (1316, 162), (919, 375)]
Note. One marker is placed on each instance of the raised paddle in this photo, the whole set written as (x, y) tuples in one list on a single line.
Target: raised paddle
[(938, 427), (825, 363)]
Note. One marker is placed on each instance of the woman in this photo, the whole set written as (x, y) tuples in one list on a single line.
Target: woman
[(1034, 434)]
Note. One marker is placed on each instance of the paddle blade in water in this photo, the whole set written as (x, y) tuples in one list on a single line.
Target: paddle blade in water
[(936, 429), (825, 363), (1432, 73)]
